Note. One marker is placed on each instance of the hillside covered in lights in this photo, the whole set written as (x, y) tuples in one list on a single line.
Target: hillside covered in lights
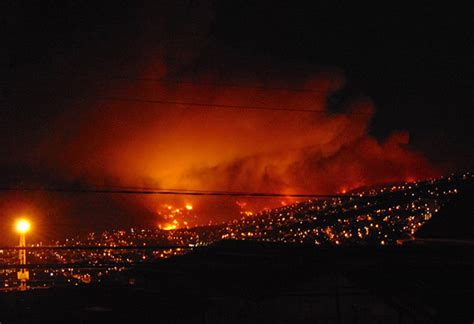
[(387, 215), (373, 216), (382, 215)]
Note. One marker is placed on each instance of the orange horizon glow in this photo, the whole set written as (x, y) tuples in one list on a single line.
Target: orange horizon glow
[(169, 146)]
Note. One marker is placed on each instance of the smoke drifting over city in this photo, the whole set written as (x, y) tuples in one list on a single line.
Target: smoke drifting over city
[(100, 135), (154, 145)]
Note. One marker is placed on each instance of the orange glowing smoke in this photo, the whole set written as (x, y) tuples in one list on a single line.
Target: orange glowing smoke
[(207, 148)]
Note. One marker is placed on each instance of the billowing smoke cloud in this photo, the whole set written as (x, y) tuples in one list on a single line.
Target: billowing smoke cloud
[(127, 143), (140, 144)]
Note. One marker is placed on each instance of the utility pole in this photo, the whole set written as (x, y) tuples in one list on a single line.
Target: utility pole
[(22, 226)]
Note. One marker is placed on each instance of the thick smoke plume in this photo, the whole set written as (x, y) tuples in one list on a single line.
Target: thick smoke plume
[(140, 144), (88, 140)]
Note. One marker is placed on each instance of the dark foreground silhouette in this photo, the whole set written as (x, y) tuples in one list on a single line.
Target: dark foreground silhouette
[(243, 282)]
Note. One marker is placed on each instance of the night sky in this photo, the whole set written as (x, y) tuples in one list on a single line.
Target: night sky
[(411, 64)]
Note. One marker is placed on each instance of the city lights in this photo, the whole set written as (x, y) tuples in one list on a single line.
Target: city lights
[(380, 216)]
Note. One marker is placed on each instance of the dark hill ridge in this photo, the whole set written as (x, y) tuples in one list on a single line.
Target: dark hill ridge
[(254, 282), (455, 220), (379, 215)]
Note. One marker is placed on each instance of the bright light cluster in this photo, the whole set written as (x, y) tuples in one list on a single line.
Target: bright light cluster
[(22, 226)]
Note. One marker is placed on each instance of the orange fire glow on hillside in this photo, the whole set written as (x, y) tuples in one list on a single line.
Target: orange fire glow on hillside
[(208, 148), (171, 218)]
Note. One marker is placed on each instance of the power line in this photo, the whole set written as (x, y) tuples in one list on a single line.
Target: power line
[(99, 190), (79, 265), (97, 247), (225, 106), (217, 84), (204, 105), (211, 105), (167, 80), (197, 104)]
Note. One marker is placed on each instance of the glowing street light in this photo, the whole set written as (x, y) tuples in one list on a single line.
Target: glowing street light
[(22, 226)]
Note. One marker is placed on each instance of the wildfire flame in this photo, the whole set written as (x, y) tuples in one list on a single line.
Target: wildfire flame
[(230, 149)]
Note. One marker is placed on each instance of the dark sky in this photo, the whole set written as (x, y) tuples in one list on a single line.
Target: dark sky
[(413, 61)]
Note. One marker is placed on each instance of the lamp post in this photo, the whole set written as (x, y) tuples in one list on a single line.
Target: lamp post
[(22, 226)]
